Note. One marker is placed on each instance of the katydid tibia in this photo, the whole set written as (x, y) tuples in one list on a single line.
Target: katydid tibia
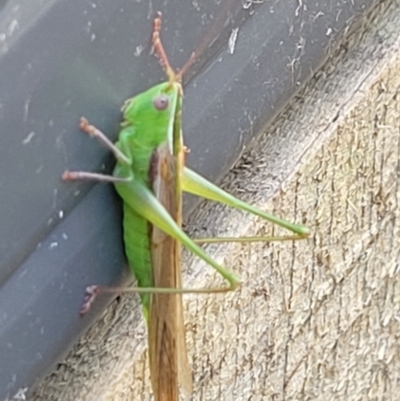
[(150, 176)]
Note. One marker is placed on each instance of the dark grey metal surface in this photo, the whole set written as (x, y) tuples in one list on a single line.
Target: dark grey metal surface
[(60, 60)]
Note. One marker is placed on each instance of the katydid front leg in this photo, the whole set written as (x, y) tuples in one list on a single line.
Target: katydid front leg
[(94, 132)]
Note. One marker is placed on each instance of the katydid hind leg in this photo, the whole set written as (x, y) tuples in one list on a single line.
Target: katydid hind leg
[(143, 201), (197, 185)]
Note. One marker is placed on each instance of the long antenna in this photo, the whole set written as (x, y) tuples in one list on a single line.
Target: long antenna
[(209, 36), (159, 48), (160, 51)]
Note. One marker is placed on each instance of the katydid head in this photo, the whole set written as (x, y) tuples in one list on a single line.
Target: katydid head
[(156, 105), (152, 114)]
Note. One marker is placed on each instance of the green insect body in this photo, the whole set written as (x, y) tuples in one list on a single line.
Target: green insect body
[(150, 177), (137, 141)]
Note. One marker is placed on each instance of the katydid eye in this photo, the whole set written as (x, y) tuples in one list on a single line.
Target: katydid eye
[(161, 102)]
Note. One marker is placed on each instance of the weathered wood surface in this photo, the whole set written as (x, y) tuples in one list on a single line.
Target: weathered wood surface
[(313, 320)]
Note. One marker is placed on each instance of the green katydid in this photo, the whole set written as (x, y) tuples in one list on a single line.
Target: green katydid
[(150, 176)]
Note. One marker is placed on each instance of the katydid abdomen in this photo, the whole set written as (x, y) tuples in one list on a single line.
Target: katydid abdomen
[(137, 250)]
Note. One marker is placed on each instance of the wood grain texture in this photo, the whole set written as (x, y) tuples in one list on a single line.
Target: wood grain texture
[(313, 320)]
